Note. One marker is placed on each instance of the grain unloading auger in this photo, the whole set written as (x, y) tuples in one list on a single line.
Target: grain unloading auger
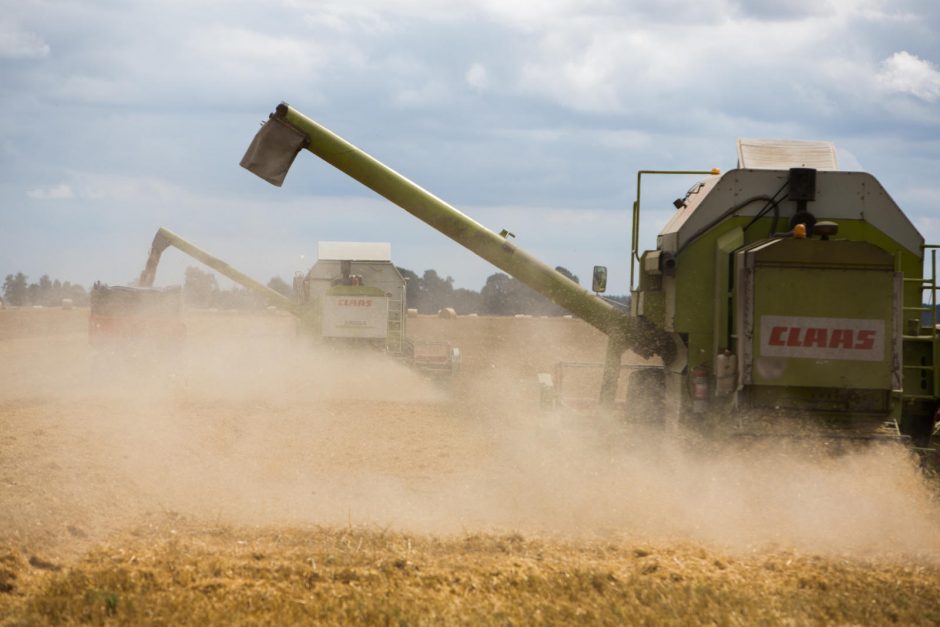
[(274, 148), (143, 312), (165, 238), (759, 303)]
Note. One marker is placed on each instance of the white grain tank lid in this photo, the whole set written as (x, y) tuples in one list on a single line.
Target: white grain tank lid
[(354, 251), (783, 154)]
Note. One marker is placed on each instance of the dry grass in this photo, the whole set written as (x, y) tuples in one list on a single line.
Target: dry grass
[(172, 571)]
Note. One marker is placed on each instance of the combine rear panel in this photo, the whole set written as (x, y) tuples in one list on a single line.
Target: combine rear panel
[(818, 327), (355, 312)]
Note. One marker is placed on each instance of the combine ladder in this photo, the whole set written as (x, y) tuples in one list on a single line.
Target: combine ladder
[(926, 365), (395, 342)]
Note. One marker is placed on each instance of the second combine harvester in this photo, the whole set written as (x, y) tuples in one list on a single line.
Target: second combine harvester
[(353, 296), (783, 288)]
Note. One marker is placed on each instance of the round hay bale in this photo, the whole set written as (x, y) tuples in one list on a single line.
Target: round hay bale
[(412, 312), (448, 313), (67, 303)]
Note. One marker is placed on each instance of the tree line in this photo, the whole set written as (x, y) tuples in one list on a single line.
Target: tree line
[(47, 292), (501, 295)]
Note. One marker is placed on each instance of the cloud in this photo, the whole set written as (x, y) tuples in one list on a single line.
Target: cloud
[(245, 51), (476, 76), (929, 226), (21, 44), (617, 64), (909, 74), (94, 90), (62, 191), (780, 9), (568, 98), (113, 188), (346, 19), (425, 95), (848, 161)]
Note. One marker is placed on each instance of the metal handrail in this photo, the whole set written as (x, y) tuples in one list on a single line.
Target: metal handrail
[(931, 285), (635, 234)]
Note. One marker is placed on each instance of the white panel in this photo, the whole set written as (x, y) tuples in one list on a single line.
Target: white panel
[(355, 251), (822, 338), (783, 154), (355, 316)]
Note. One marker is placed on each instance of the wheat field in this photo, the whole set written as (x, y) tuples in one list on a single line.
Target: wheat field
[(248, 478)]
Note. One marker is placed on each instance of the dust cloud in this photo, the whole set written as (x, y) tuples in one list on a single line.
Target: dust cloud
[(255, 429)]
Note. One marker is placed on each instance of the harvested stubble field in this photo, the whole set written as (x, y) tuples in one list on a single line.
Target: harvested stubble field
[(244, 478)]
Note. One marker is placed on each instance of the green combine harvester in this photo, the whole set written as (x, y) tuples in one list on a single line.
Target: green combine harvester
[(783, 290)]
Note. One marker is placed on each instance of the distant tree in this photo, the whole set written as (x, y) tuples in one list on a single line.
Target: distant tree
[(32, 294), (280, 286), (199, 287), (47, 295), (504, 295), (76, 292), (436, 293), (497, 295), (15, 289), (466, 301), (46, 292), (528, 301)]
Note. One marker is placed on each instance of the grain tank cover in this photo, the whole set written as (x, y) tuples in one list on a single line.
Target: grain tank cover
[(354, 251), (783, 154)]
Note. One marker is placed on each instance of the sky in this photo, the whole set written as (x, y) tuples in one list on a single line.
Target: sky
[(118, 117)]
